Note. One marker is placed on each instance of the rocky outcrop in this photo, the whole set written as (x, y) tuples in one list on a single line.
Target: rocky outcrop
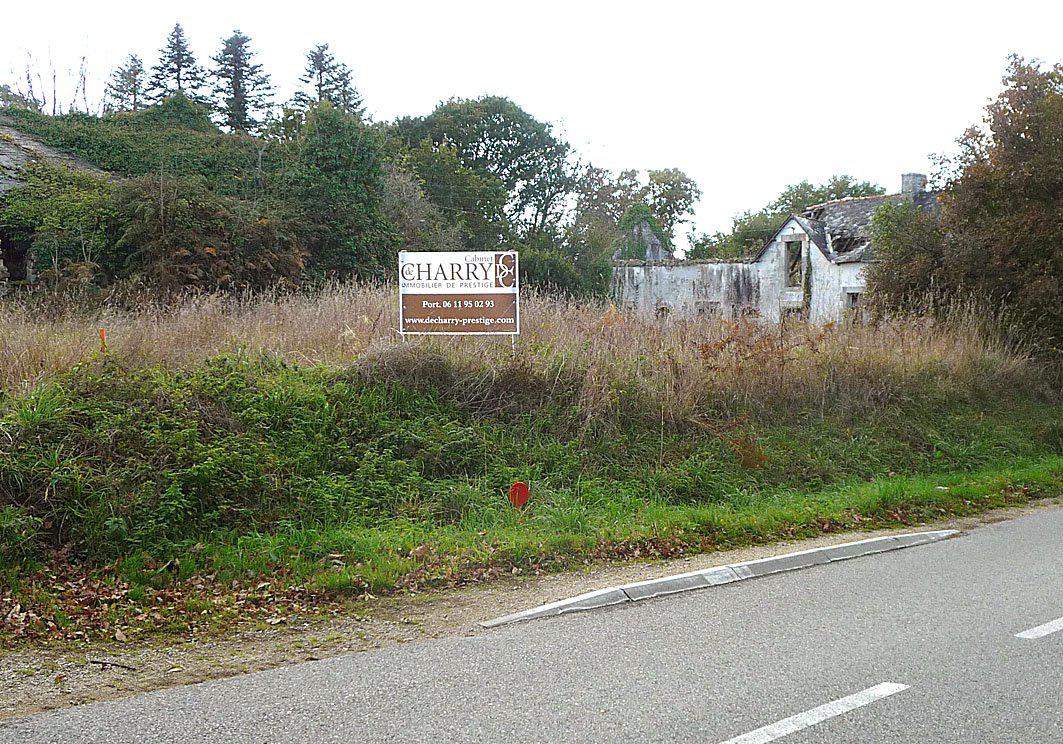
[(18, 149)]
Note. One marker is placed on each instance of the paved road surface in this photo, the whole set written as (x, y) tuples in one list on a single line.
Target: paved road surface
[(917, 645)]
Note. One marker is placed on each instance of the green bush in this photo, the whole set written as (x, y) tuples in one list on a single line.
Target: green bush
[(19, 537), (63, 214), (173, 138), (176, 233)]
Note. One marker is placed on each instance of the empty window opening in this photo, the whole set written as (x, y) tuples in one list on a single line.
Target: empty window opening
[(708, 309), (794, 265), (853, 307)]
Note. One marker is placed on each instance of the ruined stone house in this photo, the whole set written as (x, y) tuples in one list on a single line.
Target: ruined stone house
[(18, 150), (813, 267)]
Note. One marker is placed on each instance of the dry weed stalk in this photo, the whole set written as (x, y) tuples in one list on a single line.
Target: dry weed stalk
[(590, 356)]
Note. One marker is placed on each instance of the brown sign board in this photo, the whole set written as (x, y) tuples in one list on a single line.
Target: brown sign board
[(465, 292)]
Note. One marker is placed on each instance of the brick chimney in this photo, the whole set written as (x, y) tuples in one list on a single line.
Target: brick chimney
[(912, 184)]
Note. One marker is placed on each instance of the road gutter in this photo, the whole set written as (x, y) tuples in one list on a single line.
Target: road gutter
[(719, 575)]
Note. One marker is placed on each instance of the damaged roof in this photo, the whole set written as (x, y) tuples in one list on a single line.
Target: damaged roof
[(841, 228)]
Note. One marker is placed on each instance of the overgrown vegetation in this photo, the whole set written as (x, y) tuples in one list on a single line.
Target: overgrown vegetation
[(202, 209), (336, 193), (170, 452), (290, 440), (999, 233)]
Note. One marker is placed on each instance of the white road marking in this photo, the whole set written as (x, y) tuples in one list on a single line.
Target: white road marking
[(1042, 630), (787, 726)]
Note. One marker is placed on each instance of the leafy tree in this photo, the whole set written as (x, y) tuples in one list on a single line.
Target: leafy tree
[(471, 201), (419, 223), (177, 70), (910, 252), (671, 195), (493, 135), (602, 197), (750, 230), (799, 196), (1001, 215), (328, 80), (241, 88), (126, 88), (334, 184)]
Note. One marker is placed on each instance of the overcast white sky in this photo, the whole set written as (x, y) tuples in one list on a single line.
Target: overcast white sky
[(745, 97)]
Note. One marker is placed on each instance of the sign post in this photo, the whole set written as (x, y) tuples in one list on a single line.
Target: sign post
[(459, 293)]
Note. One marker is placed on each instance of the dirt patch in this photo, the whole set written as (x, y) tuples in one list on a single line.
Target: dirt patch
[(33, 680)]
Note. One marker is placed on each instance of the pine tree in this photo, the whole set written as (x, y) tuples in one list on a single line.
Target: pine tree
[(328, 80), (125, 90), (177, 70), (241, 88)]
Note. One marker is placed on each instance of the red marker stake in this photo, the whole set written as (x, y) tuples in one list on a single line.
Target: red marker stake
[(518, 494)]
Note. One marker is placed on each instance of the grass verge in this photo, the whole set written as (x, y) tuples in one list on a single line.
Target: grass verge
[(139, 500)]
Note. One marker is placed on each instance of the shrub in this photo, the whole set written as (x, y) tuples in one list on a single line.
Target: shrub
[(19, 537), (334, 185), (175, 233), (62, 213)]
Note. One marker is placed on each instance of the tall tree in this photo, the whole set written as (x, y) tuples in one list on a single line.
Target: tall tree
[(495, 136), (126, 88), (601, 200), (419, 223), (328, 80), (1001, 223), (335, 184), (177, 70), (472, 201), (671, 195), (602, 197), (242, 89)]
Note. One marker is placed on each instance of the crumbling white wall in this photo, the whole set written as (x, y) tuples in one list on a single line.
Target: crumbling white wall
[(776, 296), (830, 284), (685, 288)]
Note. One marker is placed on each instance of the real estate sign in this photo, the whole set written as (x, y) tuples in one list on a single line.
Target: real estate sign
[(468, 292)]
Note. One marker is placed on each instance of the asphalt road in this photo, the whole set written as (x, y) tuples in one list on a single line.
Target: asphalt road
[(917, 645)]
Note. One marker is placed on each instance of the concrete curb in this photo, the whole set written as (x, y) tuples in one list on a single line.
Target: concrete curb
[(721, 575)]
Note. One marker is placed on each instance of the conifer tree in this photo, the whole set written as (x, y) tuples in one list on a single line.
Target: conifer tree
[(328, 80), (241, 88), (126, 88), (177, 70)]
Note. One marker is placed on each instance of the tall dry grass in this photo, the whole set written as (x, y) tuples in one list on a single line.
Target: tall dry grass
[(588, 356)]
